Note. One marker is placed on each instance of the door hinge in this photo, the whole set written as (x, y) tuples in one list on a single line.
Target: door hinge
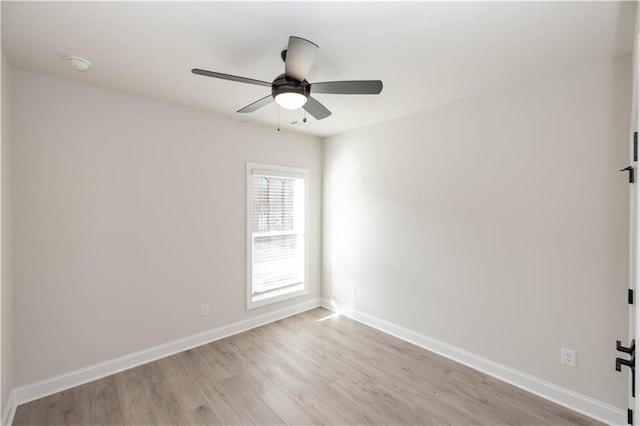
[(630, 296), (629, 416), (635, 146), (632, 173)]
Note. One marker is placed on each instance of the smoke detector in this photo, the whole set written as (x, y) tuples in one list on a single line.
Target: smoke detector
[(78, 64)]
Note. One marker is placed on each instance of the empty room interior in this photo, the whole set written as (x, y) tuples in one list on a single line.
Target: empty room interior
[(318, 213)]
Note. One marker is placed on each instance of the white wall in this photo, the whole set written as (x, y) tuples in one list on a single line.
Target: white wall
[(129, 214), (498, 224), (6, 319)]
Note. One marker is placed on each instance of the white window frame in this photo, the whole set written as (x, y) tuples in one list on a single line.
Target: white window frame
[(285, 293)]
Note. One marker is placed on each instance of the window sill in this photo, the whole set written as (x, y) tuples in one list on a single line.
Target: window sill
[(276, 296)]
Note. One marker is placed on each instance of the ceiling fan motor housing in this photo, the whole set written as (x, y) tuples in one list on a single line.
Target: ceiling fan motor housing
[(284, 84)]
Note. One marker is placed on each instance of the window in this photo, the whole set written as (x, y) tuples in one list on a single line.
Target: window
[(276, 217)]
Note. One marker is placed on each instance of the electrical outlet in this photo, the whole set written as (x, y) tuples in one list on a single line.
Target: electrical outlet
[(204, 309), (568, 357)]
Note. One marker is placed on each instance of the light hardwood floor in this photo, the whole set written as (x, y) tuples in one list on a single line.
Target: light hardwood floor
[(313, 368)]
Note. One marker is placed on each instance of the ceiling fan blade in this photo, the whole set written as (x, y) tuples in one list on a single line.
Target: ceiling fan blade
[(230, 77), (316, 109), (257, 104), (300, 56), (361, 87)]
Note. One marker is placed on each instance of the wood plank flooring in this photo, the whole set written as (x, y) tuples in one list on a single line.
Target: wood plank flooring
[(313, 368)]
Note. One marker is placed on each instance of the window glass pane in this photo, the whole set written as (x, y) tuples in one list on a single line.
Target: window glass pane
[(275, 262), (277, 234), (278, 204)]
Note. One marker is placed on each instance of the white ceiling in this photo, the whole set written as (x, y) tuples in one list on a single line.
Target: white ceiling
[(426, 53)]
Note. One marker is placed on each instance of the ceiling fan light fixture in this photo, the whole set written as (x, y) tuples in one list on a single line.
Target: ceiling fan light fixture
[(291, 90), (291, 100)]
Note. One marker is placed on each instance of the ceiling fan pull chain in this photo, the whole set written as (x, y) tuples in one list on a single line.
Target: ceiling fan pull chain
[(278, 117)]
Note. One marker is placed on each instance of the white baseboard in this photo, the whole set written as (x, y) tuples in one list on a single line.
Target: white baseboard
[(81, 376), (565, 397), (9, 411), (577, 402)]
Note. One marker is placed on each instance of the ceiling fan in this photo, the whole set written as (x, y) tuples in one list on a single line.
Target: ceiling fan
[(291, 90)]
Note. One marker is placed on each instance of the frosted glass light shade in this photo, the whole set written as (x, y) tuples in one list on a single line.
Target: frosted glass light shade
[(291, 100)]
